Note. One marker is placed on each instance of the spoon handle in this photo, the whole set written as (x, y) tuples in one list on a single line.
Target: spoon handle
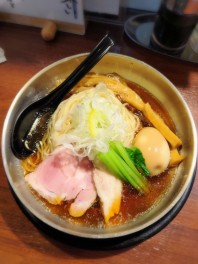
[(57, 95)]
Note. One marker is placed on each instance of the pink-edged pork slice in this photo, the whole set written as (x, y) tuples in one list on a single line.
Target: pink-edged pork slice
[(109, 189), (64, 177)]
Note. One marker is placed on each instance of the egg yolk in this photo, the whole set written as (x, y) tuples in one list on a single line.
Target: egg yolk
[(154, 148)]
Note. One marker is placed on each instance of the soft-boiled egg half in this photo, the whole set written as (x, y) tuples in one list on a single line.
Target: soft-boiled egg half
[(154, 148)]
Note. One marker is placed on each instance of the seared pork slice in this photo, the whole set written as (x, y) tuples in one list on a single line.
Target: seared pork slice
[(109, 189), (87, 195), (83, 201), (64, 177)]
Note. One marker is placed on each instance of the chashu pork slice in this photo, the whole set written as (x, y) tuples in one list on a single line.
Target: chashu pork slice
[(109, 189), (64, 177)]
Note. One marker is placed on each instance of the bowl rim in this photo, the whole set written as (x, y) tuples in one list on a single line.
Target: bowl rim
[(73, 232)]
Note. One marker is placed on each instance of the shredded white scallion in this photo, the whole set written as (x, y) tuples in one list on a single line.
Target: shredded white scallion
[(86, 122)]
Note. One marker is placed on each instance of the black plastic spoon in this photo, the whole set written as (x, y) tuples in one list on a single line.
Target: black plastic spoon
[(31, 123)]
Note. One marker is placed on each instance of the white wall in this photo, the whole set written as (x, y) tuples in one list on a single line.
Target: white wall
[(149, 5), (112, 6), (102, 6)]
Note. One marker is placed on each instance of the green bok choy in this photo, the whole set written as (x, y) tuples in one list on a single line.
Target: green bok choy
[(125, 163)]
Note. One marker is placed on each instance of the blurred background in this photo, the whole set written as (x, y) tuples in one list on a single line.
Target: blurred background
[(137, 18)]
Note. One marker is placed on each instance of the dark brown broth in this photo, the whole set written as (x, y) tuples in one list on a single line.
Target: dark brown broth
[(132, 203)]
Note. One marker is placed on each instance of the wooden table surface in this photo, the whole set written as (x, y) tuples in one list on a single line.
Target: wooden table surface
[(20, 239)]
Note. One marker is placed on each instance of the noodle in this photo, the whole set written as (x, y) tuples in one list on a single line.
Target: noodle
[(87, 121)]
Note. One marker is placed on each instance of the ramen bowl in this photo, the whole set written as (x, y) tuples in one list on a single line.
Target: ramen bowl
[(132, 70)]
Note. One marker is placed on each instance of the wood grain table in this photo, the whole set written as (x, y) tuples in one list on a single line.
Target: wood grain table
[(21, 241)]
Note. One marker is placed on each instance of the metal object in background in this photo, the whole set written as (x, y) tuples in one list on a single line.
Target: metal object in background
[(174, 24)]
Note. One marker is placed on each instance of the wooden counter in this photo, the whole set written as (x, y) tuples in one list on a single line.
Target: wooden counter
[(20, 240)]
